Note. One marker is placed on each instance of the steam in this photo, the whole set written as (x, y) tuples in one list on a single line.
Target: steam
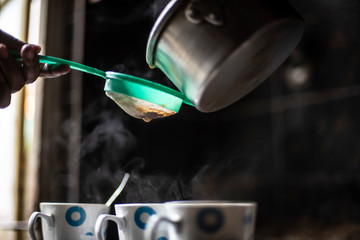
[(105, 152), (109, 151), (158, 6), (157, 187), (228, 177)]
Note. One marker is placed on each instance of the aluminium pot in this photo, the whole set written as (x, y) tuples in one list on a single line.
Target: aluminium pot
[(217, 51)]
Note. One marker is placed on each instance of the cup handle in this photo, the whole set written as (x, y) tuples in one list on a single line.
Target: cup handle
[(100, 224), (155, 221), (31, 223)]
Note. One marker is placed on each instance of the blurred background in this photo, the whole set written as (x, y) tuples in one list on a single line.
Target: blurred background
[(292, 145)]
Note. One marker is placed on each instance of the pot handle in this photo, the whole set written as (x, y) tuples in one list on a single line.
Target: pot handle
[(209, 10)]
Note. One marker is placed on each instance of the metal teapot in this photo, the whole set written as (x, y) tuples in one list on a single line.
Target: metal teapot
[(217, 51)]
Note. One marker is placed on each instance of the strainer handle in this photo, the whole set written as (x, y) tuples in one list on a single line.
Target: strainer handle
[(58, 61)]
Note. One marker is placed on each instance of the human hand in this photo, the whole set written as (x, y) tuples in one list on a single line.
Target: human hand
[(15, 74)]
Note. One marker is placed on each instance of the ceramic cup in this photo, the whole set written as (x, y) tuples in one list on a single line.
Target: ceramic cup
[(131, 220), (67, 221), (205, 220)]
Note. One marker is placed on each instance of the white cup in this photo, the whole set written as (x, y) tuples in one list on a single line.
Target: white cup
[(131, 220), (67, 221), (205, 220)]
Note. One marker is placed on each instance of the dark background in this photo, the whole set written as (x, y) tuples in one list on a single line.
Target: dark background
[(292, 148)]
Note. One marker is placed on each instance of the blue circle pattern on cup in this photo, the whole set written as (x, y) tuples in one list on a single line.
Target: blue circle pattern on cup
[(77, 222), (210, 220), (140, 211)]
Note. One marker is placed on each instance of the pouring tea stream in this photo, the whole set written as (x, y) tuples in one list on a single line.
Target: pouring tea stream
[(118, 190)]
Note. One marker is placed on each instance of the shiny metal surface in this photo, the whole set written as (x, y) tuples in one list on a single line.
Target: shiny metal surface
[(214, 66)]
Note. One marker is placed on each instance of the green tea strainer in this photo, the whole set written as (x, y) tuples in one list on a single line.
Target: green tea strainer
[(138, 97)]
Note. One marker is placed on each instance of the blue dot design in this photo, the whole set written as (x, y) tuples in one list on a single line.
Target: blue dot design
[(139, 212), (72, 222), (210, 220)]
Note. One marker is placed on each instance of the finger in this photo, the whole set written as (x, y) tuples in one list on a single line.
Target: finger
[(10, 41), (5, 92), (31, 67), (51, 71), (11, 70)]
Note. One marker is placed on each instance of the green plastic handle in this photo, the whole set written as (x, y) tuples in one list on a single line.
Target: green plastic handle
[(58, 61)]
